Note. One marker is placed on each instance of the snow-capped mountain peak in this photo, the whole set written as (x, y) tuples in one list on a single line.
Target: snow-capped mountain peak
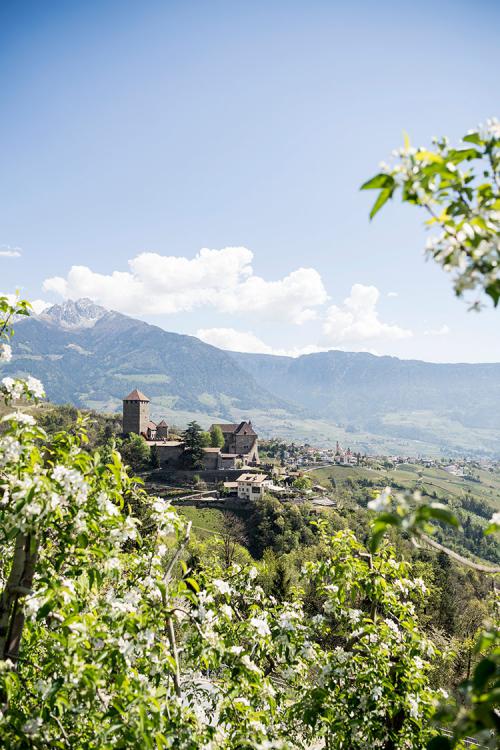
[(72, 314)]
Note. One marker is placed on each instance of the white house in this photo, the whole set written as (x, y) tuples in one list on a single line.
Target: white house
[(252, 486)]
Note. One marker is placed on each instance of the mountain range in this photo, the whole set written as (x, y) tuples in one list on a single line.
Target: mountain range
[(92, 357)]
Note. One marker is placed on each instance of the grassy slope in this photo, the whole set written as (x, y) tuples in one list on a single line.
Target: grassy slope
[(206, 521), (487, 490)]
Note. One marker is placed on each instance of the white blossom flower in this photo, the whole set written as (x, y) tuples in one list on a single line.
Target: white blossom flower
[(382, 501), (19, 417), (222, 586), (5, 353), (32, 726), (414, 705), (10, 450), (354, 615), (6, 665), (418, 582), (249, 664), (260, 625), (495, 518), (287, 620), (227, 611), (70, 479), (35, 387), (15, 388)]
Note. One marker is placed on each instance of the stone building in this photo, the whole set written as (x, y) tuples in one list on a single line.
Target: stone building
[(241, 440), (252, 486), (136, 413), (170, 456), (162, 430), (136, 418)]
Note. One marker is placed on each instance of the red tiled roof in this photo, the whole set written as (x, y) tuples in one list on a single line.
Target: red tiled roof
[(136, 395), (151, 426)]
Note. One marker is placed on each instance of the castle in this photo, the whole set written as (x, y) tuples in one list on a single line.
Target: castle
[(240, 440), (136, 418)]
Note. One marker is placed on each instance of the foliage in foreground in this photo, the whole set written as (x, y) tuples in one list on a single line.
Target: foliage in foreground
[(459, 188)]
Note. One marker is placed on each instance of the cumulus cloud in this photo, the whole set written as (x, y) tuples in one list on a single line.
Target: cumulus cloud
[(357, 319), (222, 279), (443, 330), (246, 341), (39, 305), (9, 252)]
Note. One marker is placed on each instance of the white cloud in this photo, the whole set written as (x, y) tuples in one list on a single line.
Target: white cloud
[(222, 279), (443, 330), (357, 320), (246, 341), (393, 294), (9, 252), (39, 305)]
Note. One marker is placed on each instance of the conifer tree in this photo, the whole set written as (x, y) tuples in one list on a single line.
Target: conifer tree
[(192, 458)]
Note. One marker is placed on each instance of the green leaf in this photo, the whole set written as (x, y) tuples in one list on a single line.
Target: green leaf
[(444, 515), (383, 197), (484, 670), (192, 584), (379, 530), (439, 743), (388, 518), (457, 155), (473, 138), (381, 180), (492, 528), (45, 609), (493, 290), (429, 156)]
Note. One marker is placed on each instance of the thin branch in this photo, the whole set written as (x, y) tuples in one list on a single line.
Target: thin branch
[(175, 655), (178, 553), (457, 557)]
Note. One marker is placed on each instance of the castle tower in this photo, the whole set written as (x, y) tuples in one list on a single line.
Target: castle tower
[(135, 413)]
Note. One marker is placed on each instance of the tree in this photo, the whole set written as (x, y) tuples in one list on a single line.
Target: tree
[(459, 189), (155, 457), (233, 536), (135, 452), (206, 439), (216, 437), (302, 483), (192, 457)]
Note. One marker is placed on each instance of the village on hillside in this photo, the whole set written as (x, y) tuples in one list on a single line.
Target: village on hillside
[(243, 468)]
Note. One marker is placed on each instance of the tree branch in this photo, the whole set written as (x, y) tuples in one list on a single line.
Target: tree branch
[(457, 557)]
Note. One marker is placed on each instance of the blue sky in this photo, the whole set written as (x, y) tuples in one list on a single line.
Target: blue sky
[(134, 134)]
